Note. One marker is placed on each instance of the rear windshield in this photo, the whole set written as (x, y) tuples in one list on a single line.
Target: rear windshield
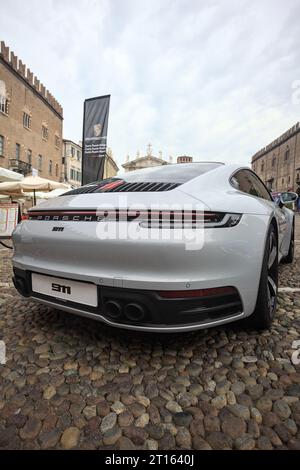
[(163, 178), (177, 173)]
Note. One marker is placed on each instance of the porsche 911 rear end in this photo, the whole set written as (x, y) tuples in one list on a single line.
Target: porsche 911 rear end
[(139, 252)]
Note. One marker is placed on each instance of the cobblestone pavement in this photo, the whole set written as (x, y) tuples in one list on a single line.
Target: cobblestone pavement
[(70, 382)]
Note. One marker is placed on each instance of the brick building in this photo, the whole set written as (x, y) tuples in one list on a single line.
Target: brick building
[(110, 166), (278, 164), (31, 121), (184, 159), (72, 158), (72, 163)]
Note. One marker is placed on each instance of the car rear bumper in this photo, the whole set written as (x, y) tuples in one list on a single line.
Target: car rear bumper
[(157, 314)]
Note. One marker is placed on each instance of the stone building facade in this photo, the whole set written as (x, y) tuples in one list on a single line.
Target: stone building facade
[(278, 164), (144, 162), (110, 166), (72, 159), (31, 121), (72, 163), (184, 159)]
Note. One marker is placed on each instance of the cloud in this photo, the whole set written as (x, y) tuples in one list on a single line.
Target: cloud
[(211, 79)]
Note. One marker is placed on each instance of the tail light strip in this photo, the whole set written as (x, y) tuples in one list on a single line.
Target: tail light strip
[(146, 218)]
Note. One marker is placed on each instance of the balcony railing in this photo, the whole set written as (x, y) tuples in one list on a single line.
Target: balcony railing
[(19, 166)]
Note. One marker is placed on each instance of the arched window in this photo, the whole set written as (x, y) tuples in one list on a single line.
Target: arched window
[(4, 103), (1, 146), (45, 132), (287, 154), (273, 161), (50, 167), (56, 169)]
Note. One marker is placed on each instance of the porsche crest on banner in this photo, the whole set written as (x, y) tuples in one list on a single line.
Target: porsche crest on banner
[(95, 124)]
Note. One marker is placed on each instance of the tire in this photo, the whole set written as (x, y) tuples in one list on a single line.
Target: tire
[(265, 308), (290, 256)]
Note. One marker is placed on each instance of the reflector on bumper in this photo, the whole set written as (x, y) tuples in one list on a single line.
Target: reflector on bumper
[(183, 294)]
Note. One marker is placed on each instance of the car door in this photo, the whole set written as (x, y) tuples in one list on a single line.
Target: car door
[(280, 213), (250, 183)]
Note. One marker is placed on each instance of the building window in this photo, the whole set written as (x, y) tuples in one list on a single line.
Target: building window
[(56, 170), (40, 162), (287, 154), (50, 167), (72, 152), (57, 141), (4, 105), (1, 145), (45, 132), (29, 156), (26, 120), (273, 162), (78, 155), (18, 151), (282, 181), (289, 179), (262, 167)]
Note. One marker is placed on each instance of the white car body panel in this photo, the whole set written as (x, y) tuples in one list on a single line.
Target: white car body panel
[(229, 257)]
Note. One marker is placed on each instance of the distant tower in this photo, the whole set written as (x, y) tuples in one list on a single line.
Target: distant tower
[(184, 159), (137, 154), (149, 150), (170, 159), (160, 154), (127, 158)]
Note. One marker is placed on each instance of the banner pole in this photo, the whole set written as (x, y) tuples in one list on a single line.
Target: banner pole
[(82, 146)]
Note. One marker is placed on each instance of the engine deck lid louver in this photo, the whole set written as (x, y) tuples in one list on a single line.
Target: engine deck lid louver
[(120, 186)]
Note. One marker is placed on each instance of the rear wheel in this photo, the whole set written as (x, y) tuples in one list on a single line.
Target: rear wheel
[(267, 293), (290, 256)]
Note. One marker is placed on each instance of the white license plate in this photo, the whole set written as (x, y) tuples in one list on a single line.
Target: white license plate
[(65, 289)]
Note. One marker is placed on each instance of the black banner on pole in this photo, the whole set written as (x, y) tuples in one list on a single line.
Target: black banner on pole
[(95, 124)]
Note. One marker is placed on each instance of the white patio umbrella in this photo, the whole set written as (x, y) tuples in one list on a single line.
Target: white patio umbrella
[(29, 184), (8, 175), (49, 195), (56, 192)]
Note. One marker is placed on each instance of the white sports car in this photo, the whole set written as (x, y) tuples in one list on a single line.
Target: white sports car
[(165, 249)]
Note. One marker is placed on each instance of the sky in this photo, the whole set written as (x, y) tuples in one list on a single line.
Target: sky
[(214, 79)]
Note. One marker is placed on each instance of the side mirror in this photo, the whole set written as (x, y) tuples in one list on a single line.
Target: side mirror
[(278, 201), (285, 199), (289, 197)]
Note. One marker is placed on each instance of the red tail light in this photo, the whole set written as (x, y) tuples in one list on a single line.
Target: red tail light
[(25, 217), (184, 294)]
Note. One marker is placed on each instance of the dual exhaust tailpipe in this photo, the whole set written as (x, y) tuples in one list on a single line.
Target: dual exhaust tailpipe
[(132, 311)]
